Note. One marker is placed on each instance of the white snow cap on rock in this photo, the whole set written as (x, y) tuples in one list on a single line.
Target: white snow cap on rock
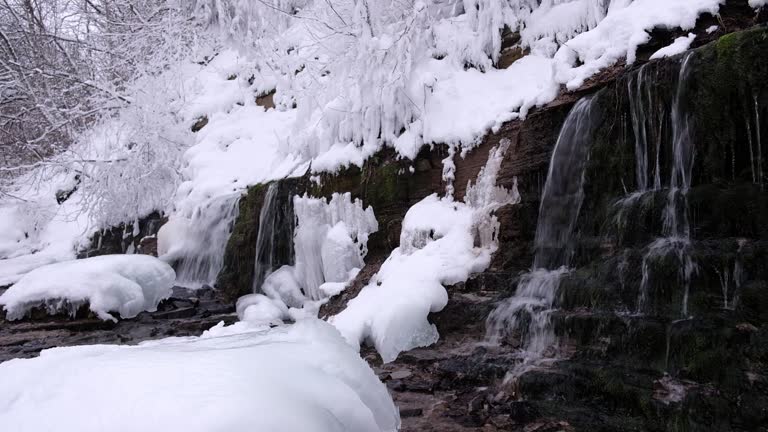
[(233, 379), (678, 46), (126, 284), (621, 32)]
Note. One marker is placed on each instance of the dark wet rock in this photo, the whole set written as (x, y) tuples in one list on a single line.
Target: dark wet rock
[(186, 312), (411, 412), (125, 238), (199, 124), (148, 245), (64, 194), (181, 315), (266, 100)]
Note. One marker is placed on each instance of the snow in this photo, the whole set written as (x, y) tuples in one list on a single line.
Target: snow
[(680, 45), (237, 378), (461, 106), (757, 3), (711, 29), (621, 32), (259, 309), (434, 83), (437, 248), (562, 20), (39, 232), (126, 284)]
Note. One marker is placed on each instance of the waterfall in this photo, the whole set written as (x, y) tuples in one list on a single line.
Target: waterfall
[(265, 239), (528, 311), (676, 235), (642, 110), (759, 143), (755, 152), (199, 244)]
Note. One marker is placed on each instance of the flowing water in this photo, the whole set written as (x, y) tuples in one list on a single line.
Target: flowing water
[(265, 239), (676, 236), (202, 255), (274, 241), (528, 312), (755, 146), (647, 116)]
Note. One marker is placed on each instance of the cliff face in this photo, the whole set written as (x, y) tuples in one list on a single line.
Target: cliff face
[(661, 320)]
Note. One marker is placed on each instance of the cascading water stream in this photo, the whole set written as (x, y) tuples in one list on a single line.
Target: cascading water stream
[(201, 256), (265, 239), (676, 236), (755, 146), (529, 310)]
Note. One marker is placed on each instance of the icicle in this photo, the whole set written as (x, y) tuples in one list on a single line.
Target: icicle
[(449, 171), (326, 234)]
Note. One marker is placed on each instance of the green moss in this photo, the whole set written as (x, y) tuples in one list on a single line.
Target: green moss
[(728, 76), (383, 185), (348, 179), (236, 276)]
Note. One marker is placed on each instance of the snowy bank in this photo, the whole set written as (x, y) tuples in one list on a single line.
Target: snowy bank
[(127, 284), (287, 379)]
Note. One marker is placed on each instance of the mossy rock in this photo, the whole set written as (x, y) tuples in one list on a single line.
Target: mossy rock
[(236, 276), (729, 87)]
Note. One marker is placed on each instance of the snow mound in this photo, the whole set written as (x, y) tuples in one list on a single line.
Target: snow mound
[(287, 379), (127, 284), (437, 248)]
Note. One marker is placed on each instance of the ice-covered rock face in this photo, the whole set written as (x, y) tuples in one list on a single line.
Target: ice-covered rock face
[(331, 240), (340, 254), (442, 243), (126, 284), (330, 244)]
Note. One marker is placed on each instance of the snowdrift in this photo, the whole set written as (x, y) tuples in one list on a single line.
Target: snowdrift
[(287, 379), (126, 284)]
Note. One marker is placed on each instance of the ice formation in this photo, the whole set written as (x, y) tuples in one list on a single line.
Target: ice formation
[(126, 284), (331, 240), (437, 248), (238, 378), (330, 244)]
